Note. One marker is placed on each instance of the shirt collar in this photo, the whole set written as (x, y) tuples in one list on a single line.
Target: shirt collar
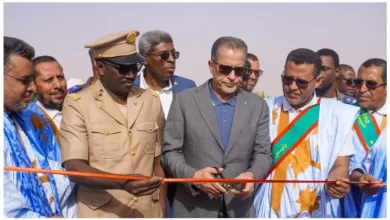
[(144, 85), (51, 112), (288, 107), (216, 101), (383, 110)]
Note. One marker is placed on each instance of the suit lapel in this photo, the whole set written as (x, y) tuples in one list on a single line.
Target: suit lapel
[(174, 85), (241, 112), (134, 105), (108, 105), (203, 100)]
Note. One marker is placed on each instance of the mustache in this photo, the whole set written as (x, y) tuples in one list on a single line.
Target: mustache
[(60, 91)]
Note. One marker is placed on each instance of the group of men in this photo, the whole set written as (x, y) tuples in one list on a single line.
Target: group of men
[(153, 123)]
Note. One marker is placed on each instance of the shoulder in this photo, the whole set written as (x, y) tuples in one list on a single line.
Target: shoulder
[(83, 94), (183, 80), (338, 108)]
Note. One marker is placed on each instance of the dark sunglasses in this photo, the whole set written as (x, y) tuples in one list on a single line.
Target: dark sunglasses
[(349, 82), (25, 81), (369, 84), (257, 73), (226, 70), (125, 69), (164, 55), (301, 83)]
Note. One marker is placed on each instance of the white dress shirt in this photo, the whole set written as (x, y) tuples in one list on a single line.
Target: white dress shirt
[(166, 94)]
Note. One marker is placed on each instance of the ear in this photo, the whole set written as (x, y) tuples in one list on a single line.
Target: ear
[(211, 67), (319, 80), (337, 72), (100, 67), (146, 59)]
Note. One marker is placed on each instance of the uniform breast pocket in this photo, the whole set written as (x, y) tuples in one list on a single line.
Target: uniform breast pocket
[(105, 141), (147, 134)]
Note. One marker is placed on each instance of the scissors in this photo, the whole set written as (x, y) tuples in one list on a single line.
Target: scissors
[(227, 185)]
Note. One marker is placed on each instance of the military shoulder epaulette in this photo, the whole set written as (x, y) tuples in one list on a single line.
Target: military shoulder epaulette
[(74, 96)]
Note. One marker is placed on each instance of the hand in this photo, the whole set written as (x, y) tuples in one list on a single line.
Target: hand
[(212, 189), (338, 189), (370, 189), (143, 187), (246, 188)]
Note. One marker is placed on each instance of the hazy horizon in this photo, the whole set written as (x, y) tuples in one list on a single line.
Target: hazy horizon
[(356, 31)]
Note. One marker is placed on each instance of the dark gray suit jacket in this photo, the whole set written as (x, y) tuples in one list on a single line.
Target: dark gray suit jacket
[(192, 142)]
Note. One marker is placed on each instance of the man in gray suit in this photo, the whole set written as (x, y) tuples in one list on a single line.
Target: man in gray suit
[(217, 125)]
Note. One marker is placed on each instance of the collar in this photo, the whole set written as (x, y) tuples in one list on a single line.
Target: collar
[(144, 85), (216, 101), (51, 112), (288, 107), (382, 111)]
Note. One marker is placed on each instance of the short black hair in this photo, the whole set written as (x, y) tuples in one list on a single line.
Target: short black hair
[(330, 53), (42, 59), (380, 63), (303, 55), (15, 46), (251, 56), (230, 43)]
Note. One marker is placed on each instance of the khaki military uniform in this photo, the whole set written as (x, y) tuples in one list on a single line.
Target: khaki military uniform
[(94, 129)]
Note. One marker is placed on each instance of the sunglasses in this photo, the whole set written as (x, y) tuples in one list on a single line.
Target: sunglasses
[(164, 55), (369, 84), (25, 81), (301, 83), (125, 69), (349, 82), (226, 70), (257, 73)]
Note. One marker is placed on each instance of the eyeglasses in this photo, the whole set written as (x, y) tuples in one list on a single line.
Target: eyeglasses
[(25, 81), (370, 84), (125, 69), (226, 70), (257, 73), (349, 82), (301, 83), (164, 55)]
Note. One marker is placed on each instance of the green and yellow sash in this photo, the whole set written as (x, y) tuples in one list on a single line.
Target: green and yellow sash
[(366, 129), (293, 135)]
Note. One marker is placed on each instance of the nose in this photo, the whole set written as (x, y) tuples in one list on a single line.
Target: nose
[(31, 86), (232, 75), (56, 83), (171, 58), (293, 85), (363, 88)]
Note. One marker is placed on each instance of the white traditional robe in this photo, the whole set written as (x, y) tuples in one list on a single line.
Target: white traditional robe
[(332, 138)]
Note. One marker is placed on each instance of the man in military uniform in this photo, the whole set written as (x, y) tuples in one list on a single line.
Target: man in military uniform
[(114, 127)]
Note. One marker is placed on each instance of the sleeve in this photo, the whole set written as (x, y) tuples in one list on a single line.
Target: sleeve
[(261, 160), (347, 149), (73, 132), (172, 158), (15, 205), (160, 131)]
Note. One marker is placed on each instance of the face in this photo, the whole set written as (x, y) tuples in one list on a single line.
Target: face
[(17, 92), (162, 68), (118, 79), (371, 98), (253, 76), (227, 84), (50, 85), (328, 71), (343, 82), (299, 94)]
